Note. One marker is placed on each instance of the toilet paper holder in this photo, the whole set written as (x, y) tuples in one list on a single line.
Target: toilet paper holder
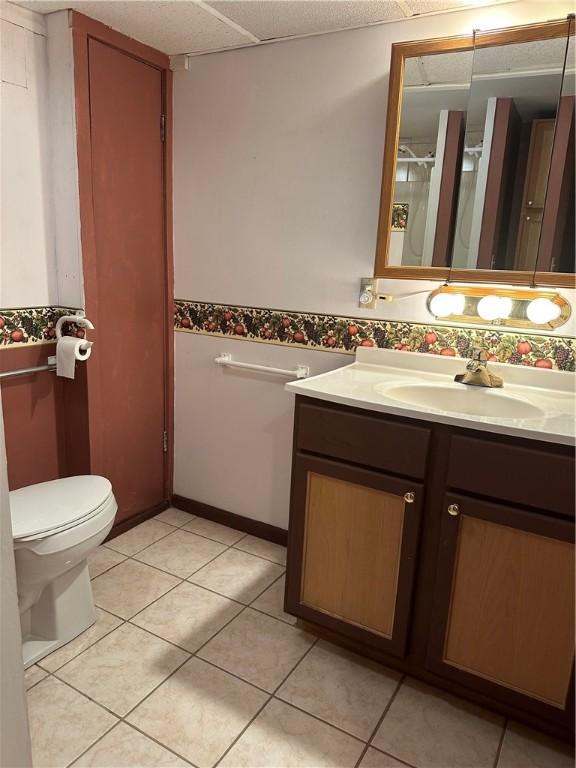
[(79, 319)]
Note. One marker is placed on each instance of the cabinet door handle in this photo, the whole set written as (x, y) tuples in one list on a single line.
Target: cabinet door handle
[(409, 497), (453, 510)]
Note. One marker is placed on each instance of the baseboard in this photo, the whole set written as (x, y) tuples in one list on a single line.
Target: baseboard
[(124, 525), (255, 527)]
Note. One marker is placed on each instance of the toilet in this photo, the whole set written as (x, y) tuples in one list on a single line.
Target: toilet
[(55, 526)]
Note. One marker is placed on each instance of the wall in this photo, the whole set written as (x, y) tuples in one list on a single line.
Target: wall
[(278, 156), (40, 254), (28, 268)]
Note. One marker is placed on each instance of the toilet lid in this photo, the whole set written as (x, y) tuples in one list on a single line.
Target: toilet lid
[(45, 507)]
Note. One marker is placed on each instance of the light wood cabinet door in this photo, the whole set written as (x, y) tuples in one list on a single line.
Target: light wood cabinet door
[(504, 602), (352, 550)]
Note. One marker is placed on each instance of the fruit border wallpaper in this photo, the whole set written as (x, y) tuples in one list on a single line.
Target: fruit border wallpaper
[(343, 334), (330, 333), (32, 325)]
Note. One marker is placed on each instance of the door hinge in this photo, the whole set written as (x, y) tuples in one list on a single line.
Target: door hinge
[(162, 127), (165, 441)]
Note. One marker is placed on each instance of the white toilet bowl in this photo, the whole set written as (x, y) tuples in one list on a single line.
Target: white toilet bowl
[(56, 525)]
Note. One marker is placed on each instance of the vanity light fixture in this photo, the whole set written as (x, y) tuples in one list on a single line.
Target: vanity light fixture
[(520, 308)]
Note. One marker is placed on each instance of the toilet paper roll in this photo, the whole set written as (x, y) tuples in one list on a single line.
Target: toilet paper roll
[(68, 350)]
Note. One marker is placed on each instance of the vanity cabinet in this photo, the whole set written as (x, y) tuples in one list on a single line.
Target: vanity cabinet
[(445, 552)]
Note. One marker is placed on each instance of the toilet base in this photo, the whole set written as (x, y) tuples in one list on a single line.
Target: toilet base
[(65, 610)]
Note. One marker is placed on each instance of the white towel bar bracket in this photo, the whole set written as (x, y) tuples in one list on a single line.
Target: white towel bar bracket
[(300, 372)]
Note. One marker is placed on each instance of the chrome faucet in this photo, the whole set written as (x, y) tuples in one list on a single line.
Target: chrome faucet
[(477, 373)]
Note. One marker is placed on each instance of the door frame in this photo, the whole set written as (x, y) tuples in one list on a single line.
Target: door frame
[(83, 30), (514, 517), (303, 464)]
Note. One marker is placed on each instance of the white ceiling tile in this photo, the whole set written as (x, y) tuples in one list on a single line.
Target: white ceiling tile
[(434, 6), (169, 26), (283, 18)]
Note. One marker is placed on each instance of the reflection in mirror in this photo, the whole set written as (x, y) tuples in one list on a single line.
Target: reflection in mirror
[(556, 250), (434, 99), (510, 124)]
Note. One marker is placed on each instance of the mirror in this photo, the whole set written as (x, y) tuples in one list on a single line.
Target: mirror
[(511, 116), (478, 176)]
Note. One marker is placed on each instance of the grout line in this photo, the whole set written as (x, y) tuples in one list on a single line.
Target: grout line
[(501, 743), (380, 721), (277, 697), (170, 530), (92, 745), (262, 557), (265, 704), (109, 568), (39, 663)]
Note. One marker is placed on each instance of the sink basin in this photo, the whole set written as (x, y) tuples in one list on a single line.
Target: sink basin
[(463, 399)]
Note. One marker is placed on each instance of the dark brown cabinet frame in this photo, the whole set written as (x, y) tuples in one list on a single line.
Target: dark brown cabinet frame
[(428, 546)]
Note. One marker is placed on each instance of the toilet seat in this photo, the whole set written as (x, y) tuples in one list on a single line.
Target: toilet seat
[(48, 508)]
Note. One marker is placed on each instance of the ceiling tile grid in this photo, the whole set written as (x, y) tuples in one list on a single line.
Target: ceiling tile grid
[(285, 18), (202, 26)]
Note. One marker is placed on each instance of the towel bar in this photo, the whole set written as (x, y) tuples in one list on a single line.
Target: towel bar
[(300, 372)]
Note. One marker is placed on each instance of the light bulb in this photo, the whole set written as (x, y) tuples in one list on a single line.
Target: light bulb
[(444, 304), (489, 307), (494, 307), (458, 301), (441, 305), (541, 311)]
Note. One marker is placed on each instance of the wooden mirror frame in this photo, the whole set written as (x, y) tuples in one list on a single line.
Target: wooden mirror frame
[(401, 52)]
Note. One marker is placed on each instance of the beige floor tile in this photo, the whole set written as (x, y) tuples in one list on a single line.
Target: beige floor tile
[(129, 587), (175, 517), (181, 553), (376, 759), (263, 548), (525, 748), (105, 623), (342, 688), (428, 728), (139, 537), (125, 747), (282, 736), (258, 649), (198, 712), (102, 559), (33, 675), (237, 575), (188, 615), (63, 723), (122, 668), (216, 531), (272, 602)]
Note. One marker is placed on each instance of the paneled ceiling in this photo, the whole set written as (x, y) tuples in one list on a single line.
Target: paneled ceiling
[(197, 26)]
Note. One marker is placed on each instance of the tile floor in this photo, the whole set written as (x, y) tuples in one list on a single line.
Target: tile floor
[(192, 661)]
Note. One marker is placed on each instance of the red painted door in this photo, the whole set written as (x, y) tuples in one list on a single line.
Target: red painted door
[(125, 281)]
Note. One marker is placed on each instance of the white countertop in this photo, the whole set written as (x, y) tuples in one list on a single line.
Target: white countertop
[(363, 384)]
